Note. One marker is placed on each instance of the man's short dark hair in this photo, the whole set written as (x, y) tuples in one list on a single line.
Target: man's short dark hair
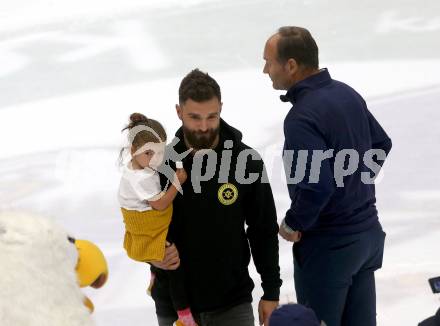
[(297, 43), (199, 87)]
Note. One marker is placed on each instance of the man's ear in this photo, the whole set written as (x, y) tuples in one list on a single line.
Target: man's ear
[(179, 111), (292, 66), (221, 106)]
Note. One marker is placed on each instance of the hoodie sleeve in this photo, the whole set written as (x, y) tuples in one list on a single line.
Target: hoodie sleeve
[(262, 233)]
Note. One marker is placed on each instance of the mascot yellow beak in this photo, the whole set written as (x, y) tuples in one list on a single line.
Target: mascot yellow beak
[(91, 269)]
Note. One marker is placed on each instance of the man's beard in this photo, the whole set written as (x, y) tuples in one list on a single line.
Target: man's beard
[(200, 140)]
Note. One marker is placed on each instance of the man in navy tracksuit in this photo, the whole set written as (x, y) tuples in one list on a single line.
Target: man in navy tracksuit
[(338, 146)]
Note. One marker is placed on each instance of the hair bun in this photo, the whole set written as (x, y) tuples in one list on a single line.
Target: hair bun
[(138, 118)]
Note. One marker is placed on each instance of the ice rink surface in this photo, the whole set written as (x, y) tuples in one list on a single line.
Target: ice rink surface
[(72, 72)]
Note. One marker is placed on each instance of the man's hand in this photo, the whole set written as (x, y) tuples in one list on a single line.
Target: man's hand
[(171, 260), (292, 237), (265, 309)]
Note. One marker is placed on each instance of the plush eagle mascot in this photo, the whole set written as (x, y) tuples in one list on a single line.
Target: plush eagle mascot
[(41, 271)]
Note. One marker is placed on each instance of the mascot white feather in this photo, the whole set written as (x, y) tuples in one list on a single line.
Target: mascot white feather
[(41, 271)]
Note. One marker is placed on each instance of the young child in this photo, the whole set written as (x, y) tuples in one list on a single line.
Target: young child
[(145, 208)]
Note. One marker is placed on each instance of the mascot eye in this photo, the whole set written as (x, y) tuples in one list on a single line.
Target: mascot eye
[(71, 239)]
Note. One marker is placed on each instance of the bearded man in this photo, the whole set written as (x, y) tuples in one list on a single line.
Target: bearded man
[(225, 213)]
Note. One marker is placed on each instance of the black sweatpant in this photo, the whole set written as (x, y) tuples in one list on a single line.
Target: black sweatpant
[(239, 315)]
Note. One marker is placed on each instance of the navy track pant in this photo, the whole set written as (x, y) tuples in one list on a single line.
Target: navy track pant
[(334, 275)]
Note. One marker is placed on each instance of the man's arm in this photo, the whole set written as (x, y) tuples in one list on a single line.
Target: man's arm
[(171, 261), (262, 233), (379, 137), (307, 199)]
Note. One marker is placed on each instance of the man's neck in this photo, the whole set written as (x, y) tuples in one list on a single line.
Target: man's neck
[(304, 74)]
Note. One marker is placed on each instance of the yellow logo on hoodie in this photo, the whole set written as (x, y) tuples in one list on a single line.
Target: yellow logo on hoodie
[(227, 194)]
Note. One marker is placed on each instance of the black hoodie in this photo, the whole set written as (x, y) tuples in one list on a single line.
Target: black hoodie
[(216, 230)]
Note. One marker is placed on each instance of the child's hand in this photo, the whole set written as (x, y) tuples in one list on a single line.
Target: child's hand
[(181, 175)]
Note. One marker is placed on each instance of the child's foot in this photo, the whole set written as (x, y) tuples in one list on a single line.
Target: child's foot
[(185, 318)]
